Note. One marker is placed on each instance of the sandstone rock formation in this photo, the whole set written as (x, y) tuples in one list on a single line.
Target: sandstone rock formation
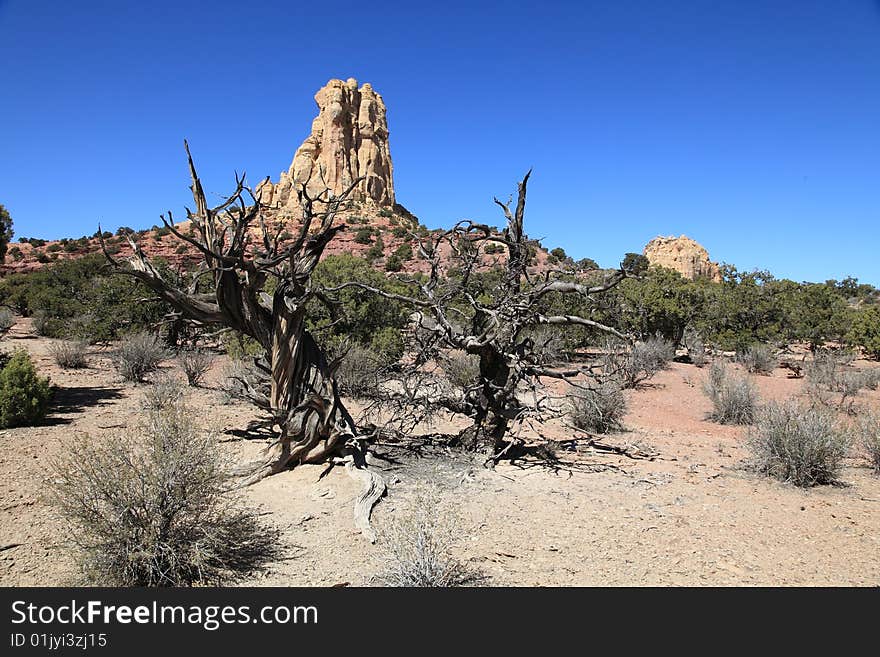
[(684, 255), (349, 139)]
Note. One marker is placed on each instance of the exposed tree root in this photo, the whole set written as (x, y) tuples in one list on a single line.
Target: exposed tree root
[(373, 489)]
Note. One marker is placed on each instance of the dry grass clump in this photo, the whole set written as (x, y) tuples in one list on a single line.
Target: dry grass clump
[(7, 320), (462, 370), (829, 375), (869, 438), (419, 546), (70, 354), (356, 373), (757, 359), (163, 393), (803, 445), (734, 399), (599, 410), (195, 363), (137, 355), (632, 366), (150, 508)]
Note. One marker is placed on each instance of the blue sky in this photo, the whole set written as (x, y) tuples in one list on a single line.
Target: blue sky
[(752, 126)]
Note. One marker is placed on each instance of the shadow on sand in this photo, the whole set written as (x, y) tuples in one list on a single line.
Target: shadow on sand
[(75, 399)]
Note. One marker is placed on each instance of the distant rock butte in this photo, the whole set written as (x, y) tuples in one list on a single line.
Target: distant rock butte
[(684, 255), (349, 140)]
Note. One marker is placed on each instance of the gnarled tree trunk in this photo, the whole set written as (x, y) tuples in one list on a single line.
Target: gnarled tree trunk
[(312, 423)]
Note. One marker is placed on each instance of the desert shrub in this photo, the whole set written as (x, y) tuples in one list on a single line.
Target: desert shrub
[(869, 438), (70, 354), (195, 363), (419, 546), (24, 396), (632, 366), (376, 251), (42, 323), (356, 374), (734, 399), (829, 373), (7, 320), (137, 355), (393, 263), (151, 509), (164, 393), (871, 378), (388, 343), (235, 379), (757, 358), (404, 252), (803, 445), (827, 365), (462, 370), (80, 288), (600, 410), (865, 330), (549, 342), (374, 322), (364, 236)]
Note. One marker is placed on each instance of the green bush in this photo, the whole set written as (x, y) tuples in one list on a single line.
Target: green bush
[(368, 319), (364, 236), (393, 263), (24, 396), (240, 346), (80, 298), (376, 251), (865, 331), (404, 252)]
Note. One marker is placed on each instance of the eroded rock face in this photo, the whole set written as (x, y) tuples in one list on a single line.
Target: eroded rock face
[(684, 255), (349, 139)]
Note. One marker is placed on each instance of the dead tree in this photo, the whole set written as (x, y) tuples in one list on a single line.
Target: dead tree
[(498, 330), (239, 254)]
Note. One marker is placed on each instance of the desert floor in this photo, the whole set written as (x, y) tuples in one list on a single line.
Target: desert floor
[(695, 515)]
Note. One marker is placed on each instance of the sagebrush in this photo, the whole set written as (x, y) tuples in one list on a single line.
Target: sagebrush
[(803, 445), (631, 366), (600, 409), (137, 355), (70, 354), (420, 545), (195, 363), (869, 438), (734, 399), (150, 508), (757, 359)]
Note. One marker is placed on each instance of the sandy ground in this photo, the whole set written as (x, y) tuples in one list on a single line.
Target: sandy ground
[(692, 516)]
